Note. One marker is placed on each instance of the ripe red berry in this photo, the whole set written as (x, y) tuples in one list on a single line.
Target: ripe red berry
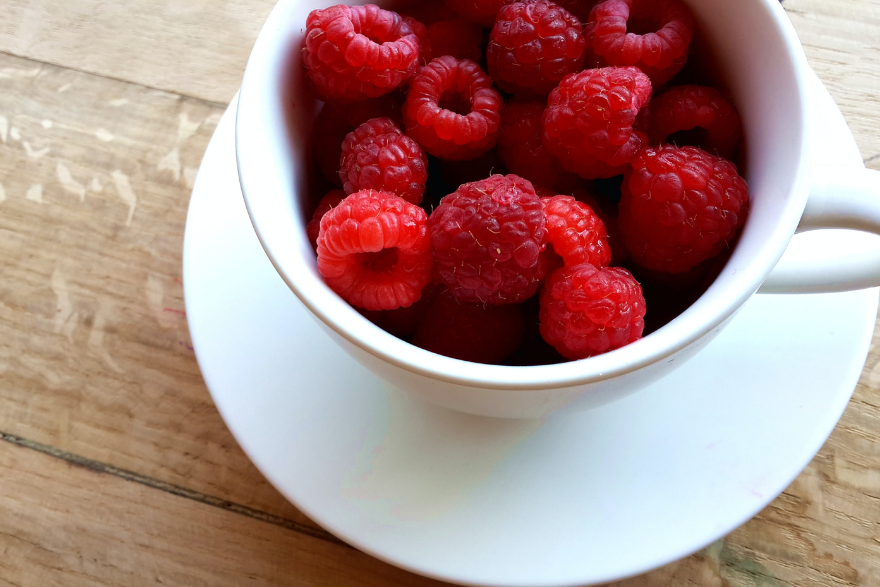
[(327, 203), (680, 206), (579, 8), (522, 149), (471, 332), (458, 38), (357, 52), (653, 35), (588, 123), (695, 108), (403, 322), (587, 311), (451, 109), (378, 156), (575, 232), (479, 11), (488, 237), (374, 251), (533, 45)]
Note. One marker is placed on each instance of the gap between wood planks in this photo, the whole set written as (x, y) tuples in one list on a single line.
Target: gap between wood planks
[(198, 496)]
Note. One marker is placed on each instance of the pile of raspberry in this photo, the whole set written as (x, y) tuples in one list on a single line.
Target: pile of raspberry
[(507, 181)]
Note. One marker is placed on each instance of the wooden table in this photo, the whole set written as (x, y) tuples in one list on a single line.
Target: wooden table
[(117, 468)]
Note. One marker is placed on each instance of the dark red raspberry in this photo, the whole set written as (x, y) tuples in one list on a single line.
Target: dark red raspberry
[(607, 213), (587, 311), (522, 149), (471, 332), (579, 8), (588, 123), (426, 54), (334, 122), (403, 322), (429, 12), (695, 108), (357, 52), (533, 45), (378, 156), (327, 203), (479, 11), (680, 206), (374, 251), (653, 35), (488, 237), (456, 173), (575, 232), (451, 109), (459, 38)]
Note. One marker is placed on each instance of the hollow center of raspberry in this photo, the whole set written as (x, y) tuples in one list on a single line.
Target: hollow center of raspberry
[(454, 101), (643, 24), (383, 261), (695, 137)]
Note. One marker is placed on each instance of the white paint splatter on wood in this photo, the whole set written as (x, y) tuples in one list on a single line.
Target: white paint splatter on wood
[(171, 162), (187, 127), (2, 192), (47, 124), (96, 341), (13, 132), (35, 193), (64, 88), (118, 102), (15, 72), (189, 175), (104, 135), (96, 186), (68, 183), (34, 153), (4, 128), (126, 194), (65, 317)]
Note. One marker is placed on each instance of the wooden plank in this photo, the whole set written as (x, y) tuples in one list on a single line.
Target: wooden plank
[(95, 355), (65, 525), (193, 47)]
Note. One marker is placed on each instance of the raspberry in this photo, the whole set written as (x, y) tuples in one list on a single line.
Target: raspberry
[(695, 108), (479, 11), (378, 156), (334, 122), (589, 117), (403, 322), (680, 206), (522, 150), (458, 38), (575, 232), (357, 52), (533, 45), (429, 12), (374, 251), (327, 203), (488, 237), (579, 8), (421, 31), (607, 213), (456, 173), (653, 35), (451, 109), (586, 311), (471, 332)]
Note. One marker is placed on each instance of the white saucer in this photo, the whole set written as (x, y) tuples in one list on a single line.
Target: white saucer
[(574, 500)]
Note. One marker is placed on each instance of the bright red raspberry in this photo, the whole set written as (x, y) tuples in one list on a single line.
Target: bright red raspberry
[(374, 251), (451, 109), (488, 237), (653, 35), (522, 149), (588, 123), (533, 45), (704, 111), (586, 311), (327, 203), (680, 206), (357, 52), (334, 122), (471, 332), (459, 38), (575, 232), (607, 213), (378, 156), (479, 11)]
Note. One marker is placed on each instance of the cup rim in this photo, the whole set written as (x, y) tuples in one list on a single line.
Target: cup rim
[(693, 324)]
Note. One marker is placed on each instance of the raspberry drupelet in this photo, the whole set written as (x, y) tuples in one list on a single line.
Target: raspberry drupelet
[(356, 52), (653, 35), (451, 109), (588, 122), (481, 12), (522, 149), (471, 332), (374, 250), (575, 232), (586, 311), (378, 156), (680, 206), (488, 237), (533, 45), (327, 203), (699, 116)]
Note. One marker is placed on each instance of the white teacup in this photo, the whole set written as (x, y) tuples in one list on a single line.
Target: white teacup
[(767, 73)]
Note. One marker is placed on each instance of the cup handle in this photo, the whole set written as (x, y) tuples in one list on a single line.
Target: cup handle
[(840, 197)]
